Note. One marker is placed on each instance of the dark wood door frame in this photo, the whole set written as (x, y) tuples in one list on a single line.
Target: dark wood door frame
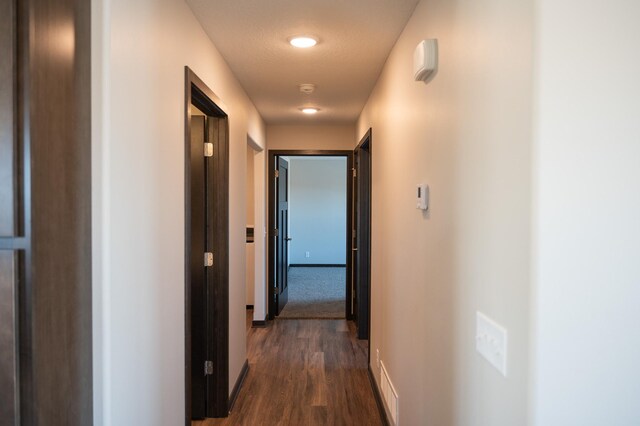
[(362, 239), (272, 155), (217, 320)]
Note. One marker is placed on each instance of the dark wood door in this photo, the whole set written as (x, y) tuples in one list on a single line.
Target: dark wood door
[(209, 393), (197, 267), (353, 307), (8, 258), (217, 274), (45, 213), (362, 235), (282, 239)]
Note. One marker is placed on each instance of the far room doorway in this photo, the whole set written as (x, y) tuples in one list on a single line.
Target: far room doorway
[(310, 248)]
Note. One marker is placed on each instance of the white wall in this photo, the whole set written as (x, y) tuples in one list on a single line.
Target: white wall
[(468, 135), (250, 279), (100, 42), (587, 209), (310, 136), (317, 210), (140, 51), (260, 233)]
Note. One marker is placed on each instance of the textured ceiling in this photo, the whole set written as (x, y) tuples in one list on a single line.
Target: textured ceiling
[(355, 37)]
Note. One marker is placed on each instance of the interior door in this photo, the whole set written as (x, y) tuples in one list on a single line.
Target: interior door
[(45, 214), (9, 265), (354, 239), (362, 236), (282, 240), (197, 268)]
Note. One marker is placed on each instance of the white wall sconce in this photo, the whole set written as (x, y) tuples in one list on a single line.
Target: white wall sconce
[(425, 60)]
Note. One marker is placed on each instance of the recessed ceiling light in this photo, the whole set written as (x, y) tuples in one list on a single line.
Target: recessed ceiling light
[(309, 110), (303, 42)]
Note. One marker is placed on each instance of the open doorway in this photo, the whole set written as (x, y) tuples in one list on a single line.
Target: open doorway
[(310, 234), (317, 231)]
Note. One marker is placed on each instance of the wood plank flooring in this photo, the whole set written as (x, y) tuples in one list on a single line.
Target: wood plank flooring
[(304, 372)]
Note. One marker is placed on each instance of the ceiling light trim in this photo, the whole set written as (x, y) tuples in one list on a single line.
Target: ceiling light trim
[(310, 110), (303, 41)]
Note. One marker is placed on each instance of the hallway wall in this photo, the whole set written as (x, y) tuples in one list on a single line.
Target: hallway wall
[(142, 48), (318, 210), (250, 277), (467, 134), (587, 210), (310, 136)]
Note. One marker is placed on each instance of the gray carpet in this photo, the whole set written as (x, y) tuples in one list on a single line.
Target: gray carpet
[(315, 293)]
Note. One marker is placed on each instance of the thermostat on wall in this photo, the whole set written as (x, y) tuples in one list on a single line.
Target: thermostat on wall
[(422, 197)]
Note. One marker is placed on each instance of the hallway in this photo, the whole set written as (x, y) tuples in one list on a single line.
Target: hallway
[(489, 238), (304, 372)]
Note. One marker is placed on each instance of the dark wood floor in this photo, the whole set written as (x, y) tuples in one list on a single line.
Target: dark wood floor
[(304, 372)]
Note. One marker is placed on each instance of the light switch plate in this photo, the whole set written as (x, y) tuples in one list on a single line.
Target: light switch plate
[(491, 342)]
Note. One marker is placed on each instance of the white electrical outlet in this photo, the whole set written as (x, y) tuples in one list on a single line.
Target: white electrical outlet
[(491, 342), (307, 254)]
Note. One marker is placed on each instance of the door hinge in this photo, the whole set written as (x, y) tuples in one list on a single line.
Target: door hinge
[(208, 149), (274, 290), (208, 259), (277, 173), (275, 232), (208, 368), (354, 172)]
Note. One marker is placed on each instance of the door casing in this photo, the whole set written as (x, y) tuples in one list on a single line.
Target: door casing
[(217, 317)]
